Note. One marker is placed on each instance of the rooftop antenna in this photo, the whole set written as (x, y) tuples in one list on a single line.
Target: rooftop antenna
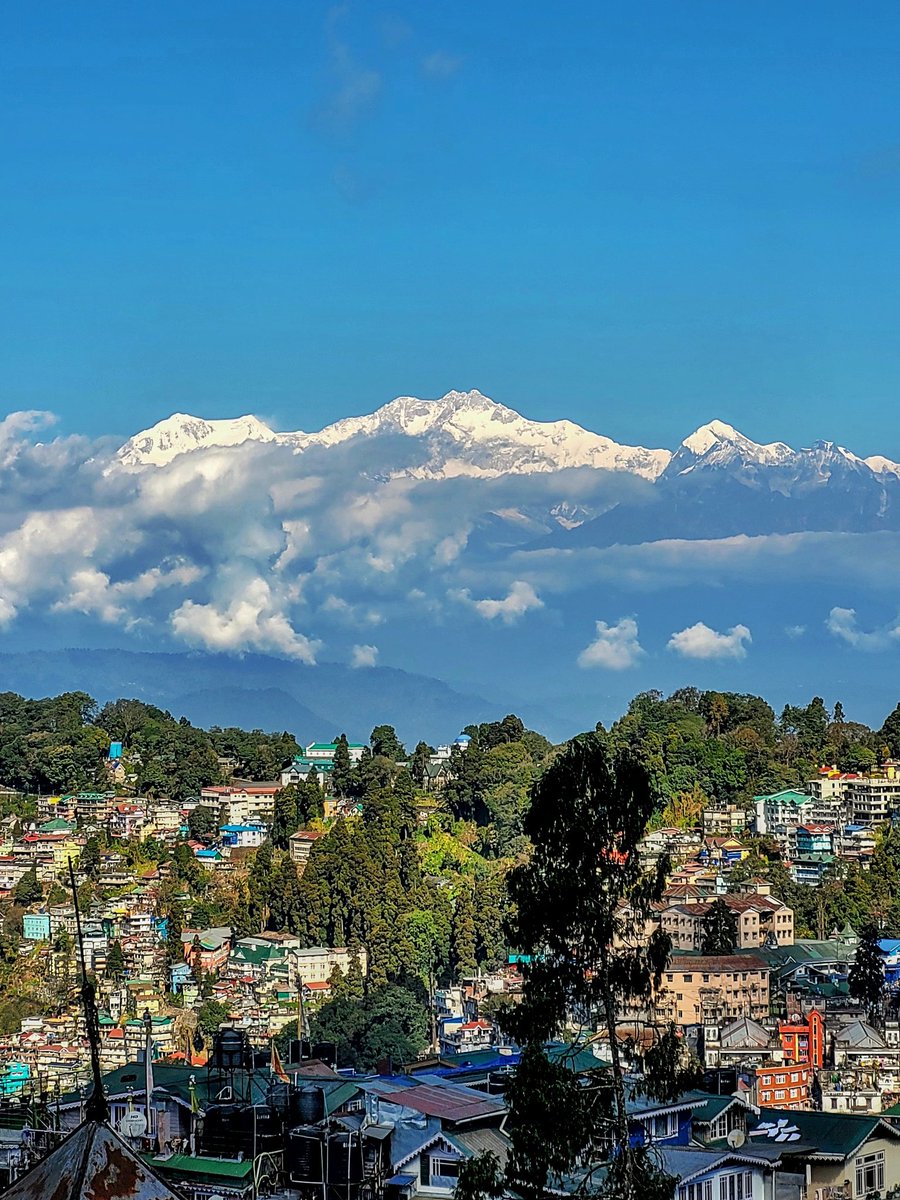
[(96, 1108)]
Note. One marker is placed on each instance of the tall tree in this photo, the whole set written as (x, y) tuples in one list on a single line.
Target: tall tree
[(866, 978), (115, 961), (384, 741), (464, 936), (581, 905), (718, 929), (341, 774)]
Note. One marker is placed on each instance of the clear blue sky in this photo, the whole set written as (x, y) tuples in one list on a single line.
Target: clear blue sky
[(638, 216)]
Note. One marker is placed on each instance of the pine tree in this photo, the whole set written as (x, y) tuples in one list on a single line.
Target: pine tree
[(115, 961), (286, 819), (384, 741), (866, 977), (718, 929), (341, 774), (464, 937)]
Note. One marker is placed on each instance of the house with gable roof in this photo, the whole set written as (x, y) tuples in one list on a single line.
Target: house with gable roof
[(843, 1157)]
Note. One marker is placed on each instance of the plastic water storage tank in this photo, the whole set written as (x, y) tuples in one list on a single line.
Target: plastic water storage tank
[(304, 1157), (345, 1161), (310, 1105)]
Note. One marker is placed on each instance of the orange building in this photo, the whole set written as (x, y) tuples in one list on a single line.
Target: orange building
[(783, 1085), (804, 1041)]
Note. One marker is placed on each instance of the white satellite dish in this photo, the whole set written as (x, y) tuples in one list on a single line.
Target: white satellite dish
[(736, 1138), (133, 1124)]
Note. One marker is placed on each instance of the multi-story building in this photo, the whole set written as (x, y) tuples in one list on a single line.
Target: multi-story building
[(242, 804), (733, 985), (243, 836), (781, 811), (785, 1085), (318, 757), (760, 918), (300, 845)]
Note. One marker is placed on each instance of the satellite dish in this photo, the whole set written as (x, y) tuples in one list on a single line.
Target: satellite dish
[(133, 1124), (736, 1138)]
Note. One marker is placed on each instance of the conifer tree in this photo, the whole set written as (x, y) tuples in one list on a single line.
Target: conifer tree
[(718, 929), (341, 774), (866, 977), (115, 961), (464, 937)]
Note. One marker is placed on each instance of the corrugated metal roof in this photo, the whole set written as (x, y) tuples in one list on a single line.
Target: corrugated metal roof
[(449, 1102), (93, 1163)]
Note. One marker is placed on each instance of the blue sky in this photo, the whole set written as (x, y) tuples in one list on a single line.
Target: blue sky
[(639, 217)]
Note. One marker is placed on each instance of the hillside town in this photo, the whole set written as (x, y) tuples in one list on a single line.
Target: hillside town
[(233, 1055)]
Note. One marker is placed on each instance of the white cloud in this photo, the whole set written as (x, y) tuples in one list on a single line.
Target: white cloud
[(364, 656), (795, 631), (250, 619), (842, 624), (699, 641), (519, 600), (615, 647)]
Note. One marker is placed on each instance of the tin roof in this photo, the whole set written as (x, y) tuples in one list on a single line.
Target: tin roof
[(92, 1163)]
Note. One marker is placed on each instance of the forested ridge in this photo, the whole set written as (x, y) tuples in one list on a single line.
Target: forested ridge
[(419, 877)]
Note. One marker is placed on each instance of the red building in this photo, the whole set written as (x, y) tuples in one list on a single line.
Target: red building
[(783, 1085), (804, 1041)]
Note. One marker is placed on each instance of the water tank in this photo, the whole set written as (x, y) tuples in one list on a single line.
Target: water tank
[(345, 1161), (497, 1081), (259, 1129), (310, 1105), (304, 1154), (220, 1131), (231, 1050)]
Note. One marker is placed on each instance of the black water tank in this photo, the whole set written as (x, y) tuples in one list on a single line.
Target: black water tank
[(231, 1050), (497, 1081), (345, 1164), (260, 1129), (304, 1157), (310, 1105), (219, 1131)]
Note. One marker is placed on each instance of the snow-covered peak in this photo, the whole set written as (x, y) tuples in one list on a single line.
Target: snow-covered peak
[(467, 433), (182, 433), (882, 466), (717, 443)]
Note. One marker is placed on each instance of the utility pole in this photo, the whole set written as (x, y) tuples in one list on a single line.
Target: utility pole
[(148, 1071)]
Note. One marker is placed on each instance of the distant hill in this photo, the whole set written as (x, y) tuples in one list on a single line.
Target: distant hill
[(255, 691)]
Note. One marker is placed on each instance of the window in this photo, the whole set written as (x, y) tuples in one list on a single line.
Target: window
[(444, 1168), (780, 1078), (696, 1191), (870, 1173), (779, 1095), (688, 979), (665, 1125), (736, 1187)]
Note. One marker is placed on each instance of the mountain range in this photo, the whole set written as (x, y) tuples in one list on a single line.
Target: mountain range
[(455, 542)]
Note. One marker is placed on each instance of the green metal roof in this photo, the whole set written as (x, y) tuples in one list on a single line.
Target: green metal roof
[(830, 1133), (712, 1106), (788, 796), (184, 1164)]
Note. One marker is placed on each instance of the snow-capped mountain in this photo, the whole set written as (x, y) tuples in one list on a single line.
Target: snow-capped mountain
[(462, 433), (181, 433), (717, 483)]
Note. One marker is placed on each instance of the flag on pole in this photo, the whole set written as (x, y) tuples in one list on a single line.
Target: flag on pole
[(277, 1069)]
